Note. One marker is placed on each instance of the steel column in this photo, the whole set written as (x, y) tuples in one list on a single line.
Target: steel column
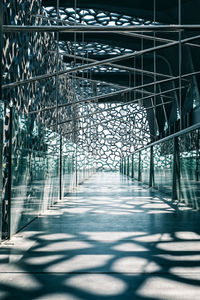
[(176, 171), (151, 175), (139, 167), (132, 166), (60, 168), (6, 201)]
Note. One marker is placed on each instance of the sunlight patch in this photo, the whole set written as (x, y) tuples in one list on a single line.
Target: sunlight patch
[(187, 272), (154, 238), (187, 235), (20, 281), (60, 296), (168, 289), (40, 260), (97, 284), (179, 246), (134, 265), (129, 247), (64, 246), (188, 257), (80, 263), (111, 236), (56, 236)]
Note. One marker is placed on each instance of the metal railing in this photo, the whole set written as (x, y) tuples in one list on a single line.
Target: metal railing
[(170, 165)]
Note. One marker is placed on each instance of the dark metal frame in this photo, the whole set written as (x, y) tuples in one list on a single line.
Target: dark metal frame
[(77, 113), (176, 185)]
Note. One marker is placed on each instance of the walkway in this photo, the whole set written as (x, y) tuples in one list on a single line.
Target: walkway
[(110, 239)]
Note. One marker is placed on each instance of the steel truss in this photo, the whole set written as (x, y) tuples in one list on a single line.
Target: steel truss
[(66, 97)]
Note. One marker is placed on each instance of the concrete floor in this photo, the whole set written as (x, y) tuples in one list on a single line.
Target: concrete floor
[(110, 239)]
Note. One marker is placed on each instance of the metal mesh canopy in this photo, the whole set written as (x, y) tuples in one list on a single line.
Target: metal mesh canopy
[(108, 92)]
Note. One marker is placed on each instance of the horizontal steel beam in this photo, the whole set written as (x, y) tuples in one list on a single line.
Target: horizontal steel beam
[(107, 121), (173, 135), (135, 101), (56, 20), (162, 40), (119, 92), (154, 38), (134, 54), (114, 85), (130, 69), (89, 28), (102, 62)]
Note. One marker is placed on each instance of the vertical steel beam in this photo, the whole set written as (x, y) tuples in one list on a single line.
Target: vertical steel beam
[(132, 167), (1, 163), (180, 64), (7, 179), (198, 155), (1, 124), (127, 166), (155, 126), (60, 168), (176, 189), (139, 167), (6, 203), (124, 165), (1, 45), (76, 166), (57, 66), (151, 175)]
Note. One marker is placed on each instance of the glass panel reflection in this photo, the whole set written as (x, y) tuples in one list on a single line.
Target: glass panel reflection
[(163, 166), (36, 169), (136, 165), (189, 168), (145, 165)]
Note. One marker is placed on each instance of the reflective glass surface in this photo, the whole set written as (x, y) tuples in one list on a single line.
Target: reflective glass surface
[(163, 166), (145, 165), (136, 165), (189, 146), (1, 151), (35, 167), (35, 185)]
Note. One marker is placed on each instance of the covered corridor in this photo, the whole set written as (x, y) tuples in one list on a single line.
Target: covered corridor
[(99, 149), (111, 238)]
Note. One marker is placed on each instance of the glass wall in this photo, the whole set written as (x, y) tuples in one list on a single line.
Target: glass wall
[(163, 166), (175, 167), (145, 166), (37, 178), (1, 152), (131, 166), (77, 165), (35, 169), (189, 148), (68, 167), (136, 163)]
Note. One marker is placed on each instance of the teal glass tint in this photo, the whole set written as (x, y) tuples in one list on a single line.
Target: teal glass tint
[(77, 165), (35, 169), (192, 93), (136, 165), (130, 166), (68, 166), (145, 165), (39, 162), (163, 166), (189, 149), (1, 160)]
